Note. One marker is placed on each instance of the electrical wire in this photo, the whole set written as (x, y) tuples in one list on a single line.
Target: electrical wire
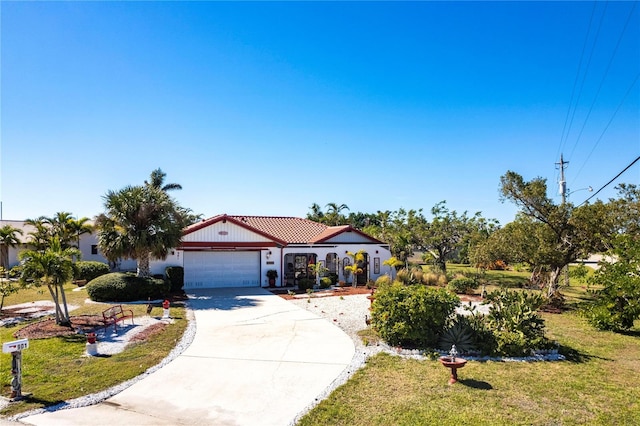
[(575, 81), (584, 77), (614, 178), (607, 126), (604, 77)]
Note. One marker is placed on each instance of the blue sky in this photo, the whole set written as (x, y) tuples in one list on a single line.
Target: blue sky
[(265, 108)]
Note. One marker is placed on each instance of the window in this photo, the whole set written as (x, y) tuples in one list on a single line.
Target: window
[(94, 249)]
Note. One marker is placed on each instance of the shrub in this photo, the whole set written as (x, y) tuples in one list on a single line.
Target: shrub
[(383, 280), (305, 284), (89, 269), (462, 285), (325, 282), (333, 277), (175, 275), (124, 287), (403, 276), (515, 323), (16, 271), (412, 315), (430, 278), (416, 275)]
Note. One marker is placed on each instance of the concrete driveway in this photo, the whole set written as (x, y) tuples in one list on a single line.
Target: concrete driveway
[(256, 359)]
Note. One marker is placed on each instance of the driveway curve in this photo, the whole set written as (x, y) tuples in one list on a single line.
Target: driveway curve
[(256, 359)]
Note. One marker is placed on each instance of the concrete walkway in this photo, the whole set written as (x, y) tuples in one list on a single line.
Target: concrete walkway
[(256, 360)]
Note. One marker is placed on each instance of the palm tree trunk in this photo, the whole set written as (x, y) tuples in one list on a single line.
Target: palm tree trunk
[(4, 256), (67, 319), (54, 296), (143, 265)]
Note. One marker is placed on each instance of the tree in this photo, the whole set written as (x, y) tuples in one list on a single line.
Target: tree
[(625, 209), (140, 222), (41, 235), (334, 214), (52, 267), (393, 263), (7, 286), (8, 238), (558, 234), (358, 263), (616, 304), (316, 213), (68, 229), (156, 180), (446, 233)]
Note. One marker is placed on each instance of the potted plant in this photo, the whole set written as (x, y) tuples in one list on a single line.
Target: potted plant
[(272, 274)]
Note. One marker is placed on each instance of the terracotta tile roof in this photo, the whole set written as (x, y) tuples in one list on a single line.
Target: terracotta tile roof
[(329, 232), (286, 230), (290, 229)]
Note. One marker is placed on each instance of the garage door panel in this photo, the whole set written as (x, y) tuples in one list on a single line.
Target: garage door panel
[(221, 269)]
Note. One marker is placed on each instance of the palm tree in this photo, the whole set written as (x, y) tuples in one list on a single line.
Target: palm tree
[(68, 229), (316, 213), (334, 214), (156, 180), (359, 261), (52, 267), (39, 238), (140, 222), (8, 238)]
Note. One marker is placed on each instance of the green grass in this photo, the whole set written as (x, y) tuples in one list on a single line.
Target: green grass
[(597, 384), (56, 369)]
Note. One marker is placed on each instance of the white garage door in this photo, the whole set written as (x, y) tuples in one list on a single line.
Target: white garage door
[(210, 269)]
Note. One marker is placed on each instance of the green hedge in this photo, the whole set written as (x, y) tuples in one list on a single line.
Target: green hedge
[(175, 275), (126, 287), (305, 284), (89, 269), (412, 316), (462, 285)]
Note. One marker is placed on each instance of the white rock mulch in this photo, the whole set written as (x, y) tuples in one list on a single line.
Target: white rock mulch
[(30, 310)]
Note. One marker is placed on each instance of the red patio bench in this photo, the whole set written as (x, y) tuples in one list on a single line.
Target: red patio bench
[(115, 314)]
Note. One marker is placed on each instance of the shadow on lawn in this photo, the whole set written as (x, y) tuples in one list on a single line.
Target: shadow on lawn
[(574, 355), (630, 333), (476, 384)]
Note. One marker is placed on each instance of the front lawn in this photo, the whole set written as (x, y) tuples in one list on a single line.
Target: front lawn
[(56, 369), (597, 385)]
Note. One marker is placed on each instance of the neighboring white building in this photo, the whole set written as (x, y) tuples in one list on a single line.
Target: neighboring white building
[(88, 246), (236, 251)]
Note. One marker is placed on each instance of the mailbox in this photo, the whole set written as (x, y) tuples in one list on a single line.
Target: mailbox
[(15, 346)]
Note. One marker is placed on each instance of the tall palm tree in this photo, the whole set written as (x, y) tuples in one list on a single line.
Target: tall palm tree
[(316, 213), (8, 238), (140, 222), (156, 180), (39, 238), (334, 214), (68, 229), (52, 267)]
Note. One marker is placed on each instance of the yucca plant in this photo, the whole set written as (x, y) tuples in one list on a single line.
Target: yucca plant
[(460, 334)]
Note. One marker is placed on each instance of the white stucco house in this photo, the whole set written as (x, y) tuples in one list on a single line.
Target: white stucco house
[(237, 251)]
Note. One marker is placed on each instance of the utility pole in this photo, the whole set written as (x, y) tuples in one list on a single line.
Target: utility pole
[(562, 183), (563, 191)]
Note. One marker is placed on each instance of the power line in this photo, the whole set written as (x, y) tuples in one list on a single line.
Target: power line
[(575, 81), (615, 177), (607, 126), (584, 77), (604, 77)]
